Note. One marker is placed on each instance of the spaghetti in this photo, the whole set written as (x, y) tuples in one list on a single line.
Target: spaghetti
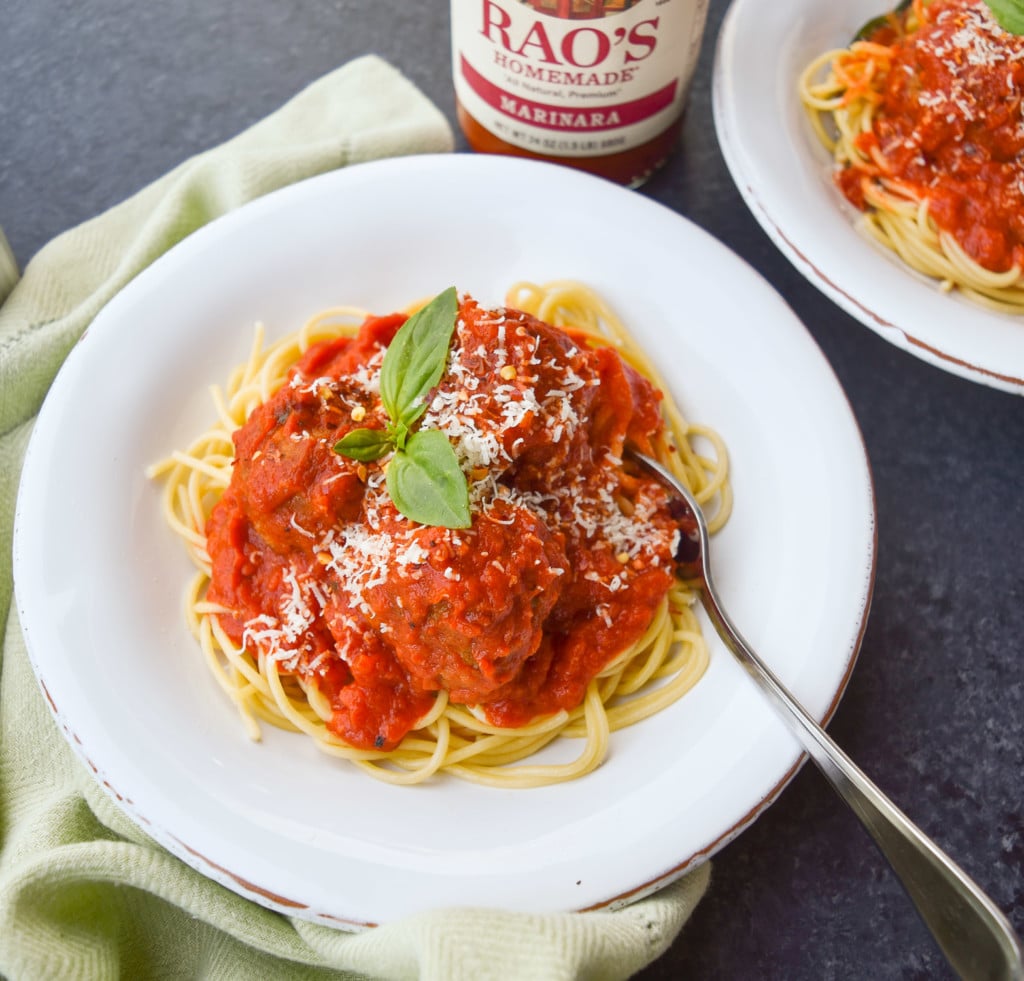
[(411, 650), (923, 119)]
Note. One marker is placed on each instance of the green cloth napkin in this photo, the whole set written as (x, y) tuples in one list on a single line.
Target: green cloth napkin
[(8, 268), (84, 893)]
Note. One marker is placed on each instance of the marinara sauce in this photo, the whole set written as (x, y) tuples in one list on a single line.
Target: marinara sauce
[(567, 557), (949, 127), (596, 84)]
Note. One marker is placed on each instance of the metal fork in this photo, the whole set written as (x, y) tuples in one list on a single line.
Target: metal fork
[(973, 934)]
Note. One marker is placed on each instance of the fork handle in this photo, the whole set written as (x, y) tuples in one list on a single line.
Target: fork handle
[(974, 935), (976, 938)]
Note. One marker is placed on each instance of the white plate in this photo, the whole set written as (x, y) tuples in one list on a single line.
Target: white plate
[(784, 174), (100, 579)]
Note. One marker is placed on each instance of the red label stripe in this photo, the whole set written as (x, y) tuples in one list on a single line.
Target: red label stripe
[(567, 118)]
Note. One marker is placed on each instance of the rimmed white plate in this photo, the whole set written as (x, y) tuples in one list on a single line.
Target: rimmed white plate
[(99, 578), (784, 175)]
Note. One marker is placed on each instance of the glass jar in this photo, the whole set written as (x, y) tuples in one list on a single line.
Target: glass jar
[(595, 84)]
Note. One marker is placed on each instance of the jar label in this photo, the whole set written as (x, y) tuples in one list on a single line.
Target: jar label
[(575, 78)]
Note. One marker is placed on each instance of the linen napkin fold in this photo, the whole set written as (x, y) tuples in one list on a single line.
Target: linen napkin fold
[(8, 268), (84, 893)]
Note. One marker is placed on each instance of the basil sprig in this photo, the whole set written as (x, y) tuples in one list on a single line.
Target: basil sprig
[(880, 21), (1009, 14), (424, 478)]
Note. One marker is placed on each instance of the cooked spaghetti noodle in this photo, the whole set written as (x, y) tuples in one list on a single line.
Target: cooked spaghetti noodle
[(923, 119), (663, 659)]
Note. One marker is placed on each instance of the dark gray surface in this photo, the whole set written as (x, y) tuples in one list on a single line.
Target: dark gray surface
[(99, 98)]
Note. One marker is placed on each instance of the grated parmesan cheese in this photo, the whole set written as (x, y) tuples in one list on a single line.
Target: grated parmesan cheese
[(495, 402)]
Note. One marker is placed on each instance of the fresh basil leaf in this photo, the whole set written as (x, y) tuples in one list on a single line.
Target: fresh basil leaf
[(426, 482), (416, 358), (1009, 14), (364, 444), (399, 433), (410, 415), (424, 478), (880, 21)]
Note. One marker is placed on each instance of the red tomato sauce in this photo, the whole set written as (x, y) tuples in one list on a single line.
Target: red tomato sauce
[(565, 562), (950, 130)]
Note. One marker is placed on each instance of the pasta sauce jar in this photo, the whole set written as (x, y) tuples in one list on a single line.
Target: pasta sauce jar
[(596, 84)]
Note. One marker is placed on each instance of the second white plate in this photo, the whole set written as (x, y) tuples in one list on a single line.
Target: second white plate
[(785, 177)]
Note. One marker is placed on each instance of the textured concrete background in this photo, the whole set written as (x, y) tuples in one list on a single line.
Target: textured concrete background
[(99, 98)]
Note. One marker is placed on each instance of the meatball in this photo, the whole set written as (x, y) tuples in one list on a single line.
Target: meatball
[(470, 612)]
